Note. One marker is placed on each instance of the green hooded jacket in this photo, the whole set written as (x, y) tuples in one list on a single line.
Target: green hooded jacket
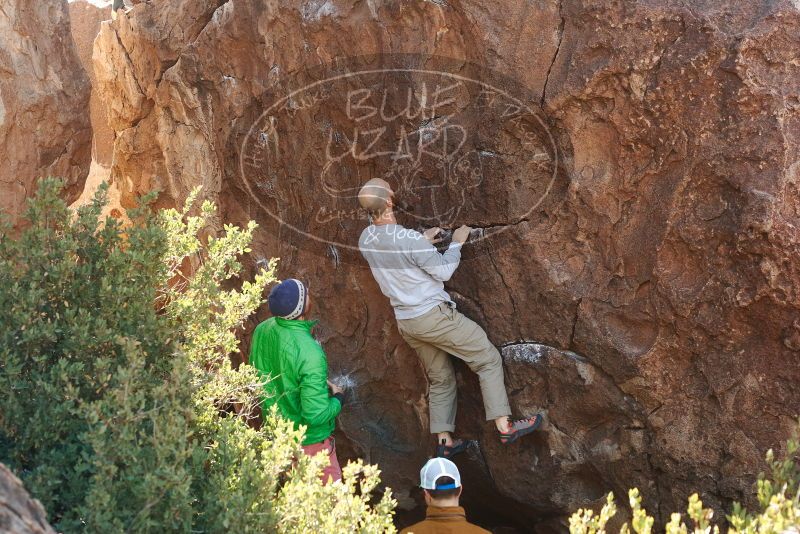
[(294, 365)]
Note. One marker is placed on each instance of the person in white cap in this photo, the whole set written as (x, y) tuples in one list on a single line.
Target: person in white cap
[(441, 482)]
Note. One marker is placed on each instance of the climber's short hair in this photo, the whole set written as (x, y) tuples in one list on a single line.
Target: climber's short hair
[(374, 196)]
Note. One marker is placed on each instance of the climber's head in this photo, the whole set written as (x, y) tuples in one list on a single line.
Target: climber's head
[(376, 196), (441, 482)]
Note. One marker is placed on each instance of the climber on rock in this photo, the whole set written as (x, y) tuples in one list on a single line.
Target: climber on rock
[(295, 370), (441, 482), (410, 271)]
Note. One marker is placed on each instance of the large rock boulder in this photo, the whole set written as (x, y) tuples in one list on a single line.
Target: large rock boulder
[(44, 97), (19, 513), (633, 170)]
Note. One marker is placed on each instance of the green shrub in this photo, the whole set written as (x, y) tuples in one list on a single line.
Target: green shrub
[(778, 513), (121, 410)]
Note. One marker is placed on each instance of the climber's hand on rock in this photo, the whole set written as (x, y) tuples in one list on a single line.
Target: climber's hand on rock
[(461, 234), (334, 388), (431, 234)]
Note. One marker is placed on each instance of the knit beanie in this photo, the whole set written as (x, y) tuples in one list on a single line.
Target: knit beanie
[(288, 299)]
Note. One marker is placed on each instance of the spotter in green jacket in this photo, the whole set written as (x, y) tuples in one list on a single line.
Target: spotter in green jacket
[(296, 369)]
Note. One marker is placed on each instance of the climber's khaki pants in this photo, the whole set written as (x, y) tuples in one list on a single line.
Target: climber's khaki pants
[(443, 331)]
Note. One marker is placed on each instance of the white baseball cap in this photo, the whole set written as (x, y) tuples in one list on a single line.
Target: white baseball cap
[(437, 468)]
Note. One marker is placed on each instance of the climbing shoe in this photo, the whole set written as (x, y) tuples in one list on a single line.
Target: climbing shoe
[(448, 451), (521, 428)]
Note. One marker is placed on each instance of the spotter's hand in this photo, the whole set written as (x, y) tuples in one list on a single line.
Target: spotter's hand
[(334, 388)]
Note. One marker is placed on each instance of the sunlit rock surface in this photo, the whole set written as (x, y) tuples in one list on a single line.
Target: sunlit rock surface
[(633, 168), (44, 97)]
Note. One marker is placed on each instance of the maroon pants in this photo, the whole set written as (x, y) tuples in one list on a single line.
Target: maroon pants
[(333, 472)]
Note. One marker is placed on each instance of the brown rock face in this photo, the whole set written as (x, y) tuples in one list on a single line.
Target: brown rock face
[(19, 513), (44, 96), (632, 168), (85, 18)]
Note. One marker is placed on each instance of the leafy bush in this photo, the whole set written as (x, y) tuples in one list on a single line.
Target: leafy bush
[(778, 498), (121, 410)]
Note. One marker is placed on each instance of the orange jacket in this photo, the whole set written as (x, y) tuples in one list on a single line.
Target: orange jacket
[(449, 520)]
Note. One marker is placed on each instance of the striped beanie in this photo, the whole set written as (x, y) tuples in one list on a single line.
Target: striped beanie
[(288, 299)]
